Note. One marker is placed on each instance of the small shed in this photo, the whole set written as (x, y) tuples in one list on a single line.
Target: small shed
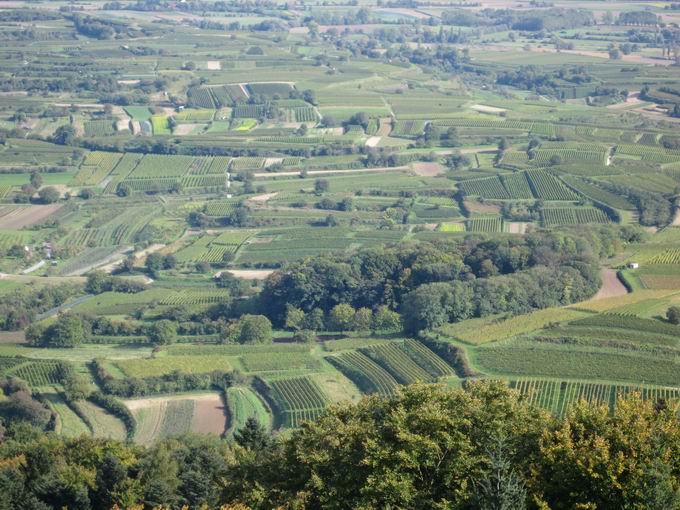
[(633, 265)]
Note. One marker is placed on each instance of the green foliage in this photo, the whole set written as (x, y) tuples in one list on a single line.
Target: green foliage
[(251, 329), (341, 317), (162, 332), (673, 315), (66, 331)]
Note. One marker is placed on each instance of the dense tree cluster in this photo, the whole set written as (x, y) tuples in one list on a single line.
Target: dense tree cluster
[(527, 20), (426, 447), (653, 208), (545, 82), (435, 283), (20, 306), (638, 18)]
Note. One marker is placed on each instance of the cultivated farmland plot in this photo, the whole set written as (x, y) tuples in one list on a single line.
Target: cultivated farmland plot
[(558, 396), (297, 399)]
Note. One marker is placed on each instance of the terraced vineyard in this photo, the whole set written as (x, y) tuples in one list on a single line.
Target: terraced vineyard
[(299, 398), (670, 256), (243, 403), (365, 373), (99, 128), (484, 225), (95, 168), (38, 373), (558, 396), (408, 362), (213, 248), (548, 187), (572, 216)]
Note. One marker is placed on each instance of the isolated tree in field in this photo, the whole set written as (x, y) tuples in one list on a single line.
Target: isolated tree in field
[(86, 193), (163, 332), (123, 190), (36, 180), (341, 317), (67, 331), (49, 195), (556, 160), (321, 186), (169, 261), (331, 221), (154, 263), (305, 336), (673, 315), (64, 135), (253, 329), (97, 282)]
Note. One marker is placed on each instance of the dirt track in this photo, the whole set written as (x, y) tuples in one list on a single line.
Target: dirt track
[(326, 172), (611, 285)]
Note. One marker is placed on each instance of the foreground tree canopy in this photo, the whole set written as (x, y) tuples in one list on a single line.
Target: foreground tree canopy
[(428, 447)]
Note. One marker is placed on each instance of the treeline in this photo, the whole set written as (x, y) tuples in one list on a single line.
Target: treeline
[(100, 84), (432, 283), (481, 447), (97, 28), (638, 18), (170, 383), (529, 20), (539, 80), (653, 208)]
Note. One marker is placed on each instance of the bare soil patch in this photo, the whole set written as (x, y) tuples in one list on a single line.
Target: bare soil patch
[(12, 337), (633, 99), (487, 109), (214, 65), (26, 216), (264, 197), (208, 418), (209, 415), (251, 274), (611, 285), (185, 129), (272, 161), (661, 281), (517, 227), (373, 141), (478, 207), (425, 169)]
